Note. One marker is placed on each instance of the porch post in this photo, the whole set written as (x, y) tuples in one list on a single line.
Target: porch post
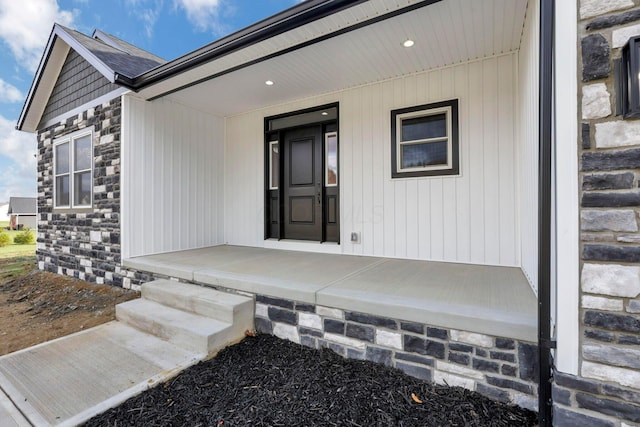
[(545, 148)]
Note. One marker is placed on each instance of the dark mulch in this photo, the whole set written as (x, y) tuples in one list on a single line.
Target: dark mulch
[(265, 381)]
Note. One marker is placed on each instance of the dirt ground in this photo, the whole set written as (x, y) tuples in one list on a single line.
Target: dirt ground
[(38, 306)]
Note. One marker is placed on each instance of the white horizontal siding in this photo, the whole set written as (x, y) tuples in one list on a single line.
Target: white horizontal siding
[(469, 218), (172, 177)]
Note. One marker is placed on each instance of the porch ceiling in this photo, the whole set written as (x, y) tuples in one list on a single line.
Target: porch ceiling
[(445, 33)]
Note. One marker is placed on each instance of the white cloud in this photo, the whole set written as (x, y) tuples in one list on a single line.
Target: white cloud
[(19, 177), (25, 26), (147, 11), (9, 93), (149, 17), (204, 14)]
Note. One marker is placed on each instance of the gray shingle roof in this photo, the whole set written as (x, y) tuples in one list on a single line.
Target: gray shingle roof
[(22, 205), (117, 60), (122, 57)]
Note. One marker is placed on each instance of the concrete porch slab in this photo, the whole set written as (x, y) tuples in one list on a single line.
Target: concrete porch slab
[(67, 381), (284, 274), (484, 299), (184, 264)]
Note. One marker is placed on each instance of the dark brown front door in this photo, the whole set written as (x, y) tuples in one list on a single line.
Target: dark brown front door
[(303, 180)]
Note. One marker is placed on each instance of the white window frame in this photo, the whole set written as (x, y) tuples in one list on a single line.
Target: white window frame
[(271, 144), (326, 158), (450, 110), (400, 143), (70, 139)]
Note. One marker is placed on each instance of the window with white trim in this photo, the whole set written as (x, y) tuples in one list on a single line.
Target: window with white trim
[(73, 171), (424, 140)]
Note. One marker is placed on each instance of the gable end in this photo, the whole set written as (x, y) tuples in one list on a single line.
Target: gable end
[(78, 83)]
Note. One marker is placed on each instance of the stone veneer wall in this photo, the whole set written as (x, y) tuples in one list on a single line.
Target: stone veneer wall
[(500, 368), (85, 245), (607, 390)]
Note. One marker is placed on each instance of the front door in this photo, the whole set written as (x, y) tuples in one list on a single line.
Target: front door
[(303, 183), (301, 175)]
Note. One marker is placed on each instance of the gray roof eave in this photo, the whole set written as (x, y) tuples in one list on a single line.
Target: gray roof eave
[(36, 80)]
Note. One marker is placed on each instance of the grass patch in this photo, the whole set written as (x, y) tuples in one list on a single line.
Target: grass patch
[(12, 266), (14, 249)]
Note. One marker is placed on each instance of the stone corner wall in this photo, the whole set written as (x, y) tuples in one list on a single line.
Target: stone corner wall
[(607, 390), (85, 245)]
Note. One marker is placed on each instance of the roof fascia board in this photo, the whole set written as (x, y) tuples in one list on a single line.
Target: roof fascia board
[(36, 81), (282, 22), (299, 46), (42, 87)]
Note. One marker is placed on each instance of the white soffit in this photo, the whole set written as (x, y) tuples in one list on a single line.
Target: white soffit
[(445, 33)]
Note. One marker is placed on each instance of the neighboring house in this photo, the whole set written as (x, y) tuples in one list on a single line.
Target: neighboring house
[(22, 213), (321, 129), (4, 208)]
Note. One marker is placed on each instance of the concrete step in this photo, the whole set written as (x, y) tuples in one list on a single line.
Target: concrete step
[(201, 300), (10, 416), (186, 330)]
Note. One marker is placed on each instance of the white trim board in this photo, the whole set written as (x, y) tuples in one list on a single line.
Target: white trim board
[(566, 190), (100, 100)]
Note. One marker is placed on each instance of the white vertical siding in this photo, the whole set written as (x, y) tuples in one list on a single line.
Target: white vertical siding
[(528, 148), (244, 181), (172, 178), (471, 218)]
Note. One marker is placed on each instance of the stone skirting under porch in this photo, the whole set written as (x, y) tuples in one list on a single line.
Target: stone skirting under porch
[(503, 369)]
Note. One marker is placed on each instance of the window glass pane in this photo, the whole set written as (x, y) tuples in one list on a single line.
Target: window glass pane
[(332, 160), (425, 127), (62, 158), (421, 155), (82, 188), (83, 153), (275, 165), (62, 190)]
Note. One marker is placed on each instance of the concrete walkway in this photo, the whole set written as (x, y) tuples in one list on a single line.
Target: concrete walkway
[(67, 381)]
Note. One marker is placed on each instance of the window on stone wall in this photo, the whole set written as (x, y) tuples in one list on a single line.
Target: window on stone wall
[(73, 170), (628, 80), (425, 140)]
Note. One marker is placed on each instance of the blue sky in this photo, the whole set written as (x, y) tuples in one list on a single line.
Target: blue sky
[(167, 28)]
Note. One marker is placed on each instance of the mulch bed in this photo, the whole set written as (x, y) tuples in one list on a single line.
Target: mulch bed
[(265, 381)]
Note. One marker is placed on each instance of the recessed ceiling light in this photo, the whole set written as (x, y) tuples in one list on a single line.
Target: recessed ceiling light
[(269, 83), (408, 43), (324, 113)]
